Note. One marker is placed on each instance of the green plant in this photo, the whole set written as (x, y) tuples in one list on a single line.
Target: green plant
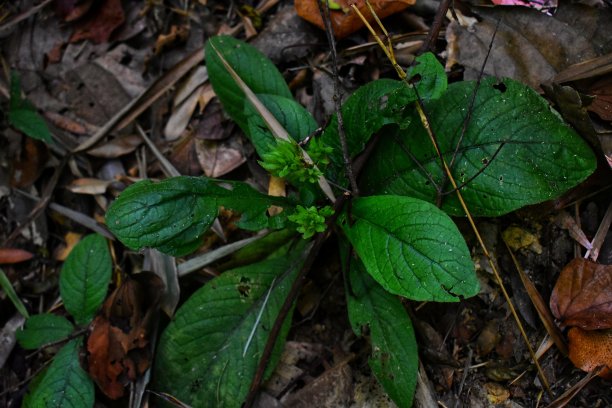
[(83, 285), (398, 239), (23, 116)]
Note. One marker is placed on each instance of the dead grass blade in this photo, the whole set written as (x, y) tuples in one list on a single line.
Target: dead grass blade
[(568, 395), (540, 305), (600, 235)]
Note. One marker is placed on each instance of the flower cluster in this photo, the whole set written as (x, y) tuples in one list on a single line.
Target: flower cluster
[(310, 220), (285, 160)]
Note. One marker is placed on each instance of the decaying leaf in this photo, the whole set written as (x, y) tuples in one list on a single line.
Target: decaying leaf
[(62, 251), (590, 349), (345, 21), (102, 21), (583, 295), (29, 163), (117, 147), (118, 344), (14, 255)]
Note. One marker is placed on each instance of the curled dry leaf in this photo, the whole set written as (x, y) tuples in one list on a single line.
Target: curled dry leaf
[(345, 21), (590, 349), (118, 344), (583, 295)]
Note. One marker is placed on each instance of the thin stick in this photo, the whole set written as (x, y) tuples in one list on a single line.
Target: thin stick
[(41, 205), (435, 26), (329, 31)]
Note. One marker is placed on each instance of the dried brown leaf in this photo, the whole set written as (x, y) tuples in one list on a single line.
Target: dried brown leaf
[(218, 159), (29, 163), (118, 344), (101, 22), (583, 295), (14, 255)]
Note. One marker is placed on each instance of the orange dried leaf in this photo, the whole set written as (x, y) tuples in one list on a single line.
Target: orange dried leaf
[(345, 23), (70, 239), (118, 344), (590, 349), (583, 295), (29, 164), (14, 255)]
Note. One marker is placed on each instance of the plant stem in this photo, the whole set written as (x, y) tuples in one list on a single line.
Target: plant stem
[(296, 286), (329, 31), (435, 26)]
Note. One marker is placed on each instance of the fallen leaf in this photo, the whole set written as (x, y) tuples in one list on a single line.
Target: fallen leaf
[(345, 23), (518, 238), (89, 186), (71, 10), (118, 343), (117, 147), (213, 125), (176, 34), (218, 159), (14, 255), (602, 102), (529, 47), (589, 349), (496, 393), (29, 164), (488, 338), (62, 251), (103, 18), (178, 121), (583, 295), (68, 124)]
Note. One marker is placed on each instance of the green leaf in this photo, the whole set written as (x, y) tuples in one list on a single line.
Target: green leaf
[(173, 214), (255, 69), (23, 116), (394, 360), (43, 329), (516, 151), (380, 103), (85, 276), (428, 76), (411, 248), (64, 384), (268, 247), (298, 122), (6, 285), (208, 354), (363, 113)]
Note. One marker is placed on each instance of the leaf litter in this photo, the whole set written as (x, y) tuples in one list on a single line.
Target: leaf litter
[(93, 78)]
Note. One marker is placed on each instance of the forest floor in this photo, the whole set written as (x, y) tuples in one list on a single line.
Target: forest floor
[(114, 68)]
